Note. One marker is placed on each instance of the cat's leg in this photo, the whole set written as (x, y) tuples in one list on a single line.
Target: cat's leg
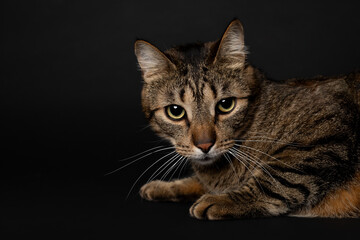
[(187, 189), (246, 202)]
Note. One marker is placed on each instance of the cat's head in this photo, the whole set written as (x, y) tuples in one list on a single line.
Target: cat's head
[(197, 95)]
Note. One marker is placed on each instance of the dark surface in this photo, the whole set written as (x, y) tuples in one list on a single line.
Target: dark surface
[(70, 107)]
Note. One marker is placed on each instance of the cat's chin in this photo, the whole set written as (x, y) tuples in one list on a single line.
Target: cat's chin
[(205, 160)]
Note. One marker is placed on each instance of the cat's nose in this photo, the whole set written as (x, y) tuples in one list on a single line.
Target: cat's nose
[(203, 137), (205, 147)]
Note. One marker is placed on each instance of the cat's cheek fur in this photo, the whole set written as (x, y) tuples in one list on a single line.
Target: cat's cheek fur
[(227, 124), (162, 125)]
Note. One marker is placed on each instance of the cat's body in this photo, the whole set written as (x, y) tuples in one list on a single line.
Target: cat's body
[(258, 147)]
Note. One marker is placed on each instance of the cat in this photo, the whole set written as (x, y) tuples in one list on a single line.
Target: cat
[(257, 147)]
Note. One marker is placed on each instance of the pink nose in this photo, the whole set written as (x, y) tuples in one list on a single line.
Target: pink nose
[(205, 147)]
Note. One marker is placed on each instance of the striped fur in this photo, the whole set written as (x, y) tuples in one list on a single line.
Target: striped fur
[(287, 148)]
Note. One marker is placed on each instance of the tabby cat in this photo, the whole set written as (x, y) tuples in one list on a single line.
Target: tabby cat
[(257, 147)]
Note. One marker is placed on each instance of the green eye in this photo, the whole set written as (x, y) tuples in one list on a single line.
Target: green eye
[(225, 105), (175, 112)]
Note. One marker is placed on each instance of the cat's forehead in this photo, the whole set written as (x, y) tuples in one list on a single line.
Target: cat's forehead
[(195, 81), (198, 83), (197, 88), (191, 88)]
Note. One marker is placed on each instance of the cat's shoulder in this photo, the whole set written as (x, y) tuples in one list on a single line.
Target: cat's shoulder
[(343, 86), (319, 80), (346, 83)]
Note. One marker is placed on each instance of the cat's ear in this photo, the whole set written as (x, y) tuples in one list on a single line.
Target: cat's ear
[(231, 51), (152, 61)]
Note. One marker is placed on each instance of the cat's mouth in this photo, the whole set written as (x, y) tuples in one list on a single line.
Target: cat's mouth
[(197, 156), (205, 159)]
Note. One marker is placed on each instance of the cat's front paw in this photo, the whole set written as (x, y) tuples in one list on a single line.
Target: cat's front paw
[(214, 207), (157, 191)]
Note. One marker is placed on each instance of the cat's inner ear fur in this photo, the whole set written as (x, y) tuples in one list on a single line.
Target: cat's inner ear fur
[(152, 61), (231, 51)]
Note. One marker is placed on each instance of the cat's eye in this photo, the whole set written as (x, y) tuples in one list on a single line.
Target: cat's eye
[(175, 112), (225, 105)]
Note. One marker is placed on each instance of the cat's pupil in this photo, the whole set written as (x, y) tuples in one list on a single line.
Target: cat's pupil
[(176, 110), (226, 103)]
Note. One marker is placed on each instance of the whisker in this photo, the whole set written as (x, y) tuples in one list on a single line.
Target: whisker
[(162, 167), (252, 159), (231, 164), (257, 150), (269, 141), (184, 164), (148, 170), (136, 155), (236, 156), (263, 135), (136, 160), (259, 163), (181, 160), (170, 169), (277, 184), (144, 127)]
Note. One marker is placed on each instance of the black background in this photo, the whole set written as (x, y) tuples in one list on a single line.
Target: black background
[(70, 108)]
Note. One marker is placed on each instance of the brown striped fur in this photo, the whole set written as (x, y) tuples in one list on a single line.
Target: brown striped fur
[(286, 148), (342, 202)]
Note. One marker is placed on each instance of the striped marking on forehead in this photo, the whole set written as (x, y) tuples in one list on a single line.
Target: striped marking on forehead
[(202, 91), (182, 94)]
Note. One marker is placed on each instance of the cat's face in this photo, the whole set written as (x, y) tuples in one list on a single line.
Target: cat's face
[(197, 96)]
